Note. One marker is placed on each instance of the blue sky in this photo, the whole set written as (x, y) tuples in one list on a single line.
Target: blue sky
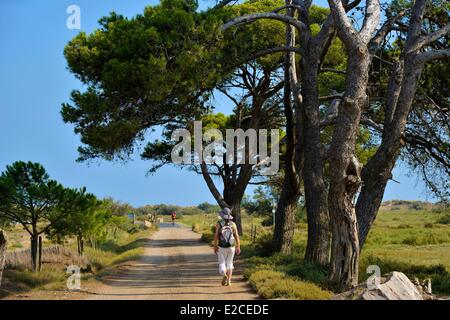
[(34, 81)]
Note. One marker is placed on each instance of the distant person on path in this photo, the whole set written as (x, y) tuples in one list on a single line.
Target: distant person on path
[(226, 244), (174, 217)]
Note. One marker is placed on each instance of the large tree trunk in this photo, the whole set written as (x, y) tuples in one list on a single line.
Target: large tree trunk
[(319, 236), (283, 234), (345, 176), (80, 245), (39, 253), (34, 252), (3, 246), (233, 197)]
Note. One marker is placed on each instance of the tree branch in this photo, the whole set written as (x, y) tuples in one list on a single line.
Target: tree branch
[(274, 50), (345, 28), (428, 56), (265, 15), (424, 40), (212, 187), (333, 70), (371, 19)]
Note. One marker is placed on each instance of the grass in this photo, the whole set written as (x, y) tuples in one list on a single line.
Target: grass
[(271, 284), (35, 279), (110, 253), (412, 238), (101, 261)]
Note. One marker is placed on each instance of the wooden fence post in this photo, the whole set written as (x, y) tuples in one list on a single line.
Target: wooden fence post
[(253, 233), (3, 245)]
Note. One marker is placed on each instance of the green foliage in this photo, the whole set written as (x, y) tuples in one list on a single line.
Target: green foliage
[(444, 219), (33, 279), (87, 221), (208, 208), (261, 202), (264, 244), (438, 274), (309, 272), (271, 284), (29, 197), (173, 52), (122, 248)]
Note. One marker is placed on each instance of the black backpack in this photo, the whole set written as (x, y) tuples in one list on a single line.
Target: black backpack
[(226, 234)]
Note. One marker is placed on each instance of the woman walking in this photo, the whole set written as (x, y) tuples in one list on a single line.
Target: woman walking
[(226, 244)]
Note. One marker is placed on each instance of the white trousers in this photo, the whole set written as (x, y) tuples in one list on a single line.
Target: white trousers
[(225, 256)]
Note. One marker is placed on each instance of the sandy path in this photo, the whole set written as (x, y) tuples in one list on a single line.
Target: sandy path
[(175, 265)]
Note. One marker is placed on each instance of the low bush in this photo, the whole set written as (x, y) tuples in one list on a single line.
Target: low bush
[(444, 219), (440, 283), (309, 272), (424, 239), (271, 284), (267, 222), (264, 244), (208, 236)]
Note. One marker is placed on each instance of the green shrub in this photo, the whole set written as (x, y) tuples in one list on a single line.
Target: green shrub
[(264, 244), (426, 239), (440, 283), (309, 272), (207, 237), (444, 219), (411, 241), (271, 284), (267, 222)]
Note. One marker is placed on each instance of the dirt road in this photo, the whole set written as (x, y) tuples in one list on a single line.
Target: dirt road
[(175, 265)]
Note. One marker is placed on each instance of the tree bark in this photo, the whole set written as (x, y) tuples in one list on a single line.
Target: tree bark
[(80, 245), (3, 247), (345, 173), (39, 253), (34, 252), (285, 217), (287, 203), (319, 236), (233, 194), (345, 176)]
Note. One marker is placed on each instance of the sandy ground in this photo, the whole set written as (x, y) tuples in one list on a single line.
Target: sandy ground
[(175, 265)]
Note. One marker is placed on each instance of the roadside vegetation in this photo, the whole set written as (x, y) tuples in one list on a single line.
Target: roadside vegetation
[(96, 263), (51, 227), (408, 236)]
